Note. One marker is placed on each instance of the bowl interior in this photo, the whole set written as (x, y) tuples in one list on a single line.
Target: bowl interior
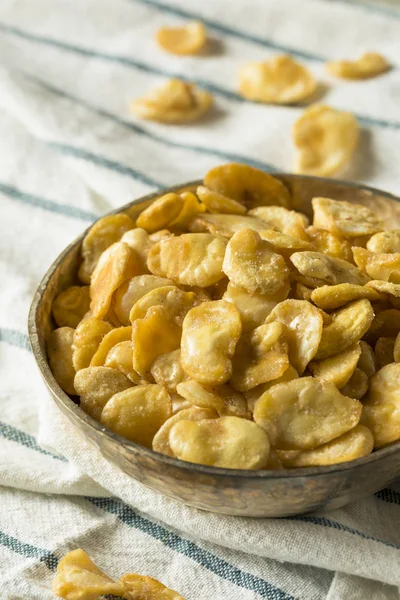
[(62, 274)]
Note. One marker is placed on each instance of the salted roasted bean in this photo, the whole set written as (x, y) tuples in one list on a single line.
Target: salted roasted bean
[(385, 267), (305, 413), (223, 398), (191, 207), (348, 326), (78, 578), (260, 356), (131, 291), (357, 386), (225, 225), (117, 264), (370, 64), (251, 264), (381, 411), (289, 222), (209, 337), (254, 394), (96, 385), (105, 232), (384, 351), (303, 323), (175, 301), (385, 242), (167, 370), (160, 213), (327, 269), (87, 338), (190, 259), (339, 368), (330, 243), (111, 339), (253, 308), (325, 139), (228, 442), (188, 39), (154, 334), (329, 297), (174, 102), (248, 185), (218, 203), (280, 80), (386, 323), (345, 218), (356, 443), (194, 413), (59, 352), (70, 306), (367, 362), (120, 357), (138, 413)]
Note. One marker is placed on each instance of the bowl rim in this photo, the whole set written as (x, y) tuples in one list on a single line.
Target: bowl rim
[(71, 407)]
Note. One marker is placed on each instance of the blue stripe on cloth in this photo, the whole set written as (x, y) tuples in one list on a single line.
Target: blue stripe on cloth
[(13, 434), (29, 551), (14, 338), (49, 205), (153, 136), (128, 62), (340, 527), (209, 561), (105, 163), (364, 120), (230, 31), (388, 495), (114, 58)]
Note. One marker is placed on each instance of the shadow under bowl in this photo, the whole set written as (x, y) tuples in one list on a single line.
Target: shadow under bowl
[(227, 491)]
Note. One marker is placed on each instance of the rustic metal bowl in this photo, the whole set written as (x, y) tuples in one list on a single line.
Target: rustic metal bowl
[(233, 492)]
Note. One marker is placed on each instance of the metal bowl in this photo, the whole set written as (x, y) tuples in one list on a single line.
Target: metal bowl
[(233, 492)]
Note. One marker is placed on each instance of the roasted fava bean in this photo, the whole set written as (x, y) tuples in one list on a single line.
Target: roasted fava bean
[(345, 218), (353, 444), (347, 328), (303, 323), (79, 578), (138, 413), (248, 185), (381, 411), (190, 259), (105, 232), (209, 337), (251, 263), (194, 413), (280, 80), (188, 39), (117, 264), (87, 338), (228, 442), (59, 351), (260, 356), (325, 139), (71, 305), (339, 368), (305, 413), (368, 65), (96, 385)]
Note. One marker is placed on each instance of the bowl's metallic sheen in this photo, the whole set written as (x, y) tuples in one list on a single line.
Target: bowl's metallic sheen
[(247, 493)]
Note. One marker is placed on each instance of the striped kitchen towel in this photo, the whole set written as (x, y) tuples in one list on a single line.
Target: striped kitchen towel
[(70, 151)]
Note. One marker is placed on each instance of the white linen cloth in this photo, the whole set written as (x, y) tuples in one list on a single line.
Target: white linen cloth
[(70, 150)]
